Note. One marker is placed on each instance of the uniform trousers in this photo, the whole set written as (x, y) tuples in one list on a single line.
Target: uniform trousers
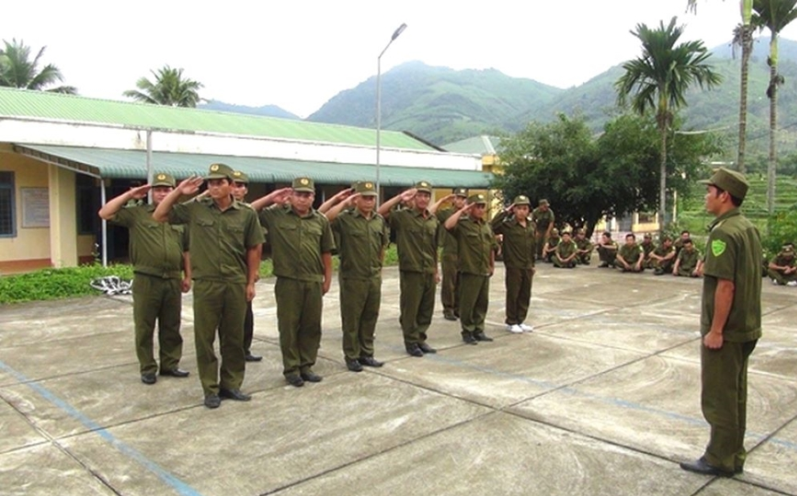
[(473, 300), (157, 299), (449, 294), (417, 304), (299, 306), (518, 294), (359, 310)]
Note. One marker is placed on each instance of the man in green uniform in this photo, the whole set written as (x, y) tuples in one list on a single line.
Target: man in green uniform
[(416, 239), (449, 289), (730, 323), (519, 233), (565, 255), (361, 236), (629, 256), (301, 246), (549, 247), (543, 218), (158, 253), (225, 238), (607, 250), (584, 247), (476, 248), (240, 187), (782, 269), (647, 246), (662, 258), (688, 262), (679, 243)]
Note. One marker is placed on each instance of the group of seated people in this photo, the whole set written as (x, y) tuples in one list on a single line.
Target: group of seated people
[(679, 258)]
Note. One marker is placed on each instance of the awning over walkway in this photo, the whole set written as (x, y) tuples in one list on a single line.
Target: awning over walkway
[(131, 164)]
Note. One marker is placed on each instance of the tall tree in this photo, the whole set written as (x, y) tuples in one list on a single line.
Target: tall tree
[(168, 88), (774, 15), (659, 80), (742, 36), (17, 70)]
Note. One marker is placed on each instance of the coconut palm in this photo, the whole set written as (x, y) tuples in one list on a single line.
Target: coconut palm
[(17, 70), (743, 36), (168, 88), (774, 15), (659, 80)]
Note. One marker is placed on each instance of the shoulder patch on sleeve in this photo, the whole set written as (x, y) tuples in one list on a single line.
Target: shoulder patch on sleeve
[(718, 247)]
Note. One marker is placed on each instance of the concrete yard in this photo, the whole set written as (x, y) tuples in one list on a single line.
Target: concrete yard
[(601, 399)]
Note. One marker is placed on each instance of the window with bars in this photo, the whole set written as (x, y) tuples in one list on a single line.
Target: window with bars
[(7, 212)]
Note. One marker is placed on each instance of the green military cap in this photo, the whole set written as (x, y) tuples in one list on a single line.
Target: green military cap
[(544, 202), (480, 198), (365, 188), (219, 171), (521, 200), (666, 238), (555, 231), (303, 184), (566, 231), (423, 186), (463, 192), (354, 184), (240, 177), (731, 181), (163, 179), (648, 236), (788, 250)]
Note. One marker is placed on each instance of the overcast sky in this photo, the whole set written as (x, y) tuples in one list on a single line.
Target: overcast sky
[(298, 54)]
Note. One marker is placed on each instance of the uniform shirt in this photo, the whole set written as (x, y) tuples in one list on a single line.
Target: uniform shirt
[(219, 240), (360, 243), (297, 242), (475, 243), (612, 246), (781, 261), (647, 247), (734, 253), (542, 219), (519, 242), (156, 249), (663, 251), (447, 240), (552, 242), (565, 249), (688, 261), (630, 253), (416, 239), (583, 243)]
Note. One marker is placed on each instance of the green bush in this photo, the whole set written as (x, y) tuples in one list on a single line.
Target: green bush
[(782, 228), (51, 284)]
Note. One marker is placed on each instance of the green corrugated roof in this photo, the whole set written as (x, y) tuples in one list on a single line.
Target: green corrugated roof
[(40, 104), (478, 145), (131, 164)]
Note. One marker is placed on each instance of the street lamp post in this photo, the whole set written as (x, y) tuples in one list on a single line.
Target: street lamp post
[(396, 34)]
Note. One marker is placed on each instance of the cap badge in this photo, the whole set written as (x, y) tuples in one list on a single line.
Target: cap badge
[(161, 177), (214, 167), (303, 181)]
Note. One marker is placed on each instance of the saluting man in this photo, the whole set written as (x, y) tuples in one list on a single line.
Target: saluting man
[(449, 288), (158, 253), (225, 237)]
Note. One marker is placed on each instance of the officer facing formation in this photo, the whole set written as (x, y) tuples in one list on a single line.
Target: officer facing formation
[(449, 287), (362, 237), (225, 240), (476, 263), (730, 323), (519, 249), (782, 269), (301, 244), (543, 218), (158, 253), (417, 240)]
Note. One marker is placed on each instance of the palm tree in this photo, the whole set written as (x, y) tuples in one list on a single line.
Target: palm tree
[(774, 15), (743, 36), (659, 80), (169, 88), (17, 70)]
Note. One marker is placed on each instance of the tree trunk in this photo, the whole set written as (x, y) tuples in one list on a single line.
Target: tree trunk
[(773, 123), (747, 48), (663, 179)]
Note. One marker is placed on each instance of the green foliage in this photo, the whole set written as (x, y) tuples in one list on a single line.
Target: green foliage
[(168, 88), (17, 70), (782, 229), (52, 284)]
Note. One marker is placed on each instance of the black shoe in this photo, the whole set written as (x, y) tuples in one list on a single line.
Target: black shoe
[(370, 361), (309, 376), (426, 348), (701, 466), (234, 394), (253, 358), (294, 380), (604, 265), (480, 336), (413, 349), (354, 365), (212, 401), (468, 338), (449, 316), (175, 372), (149, 379)]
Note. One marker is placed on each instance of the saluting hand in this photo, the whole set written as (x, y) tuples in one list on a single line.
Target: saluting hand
[(350, 199), (190, 185), (139, 192), (408, 195)]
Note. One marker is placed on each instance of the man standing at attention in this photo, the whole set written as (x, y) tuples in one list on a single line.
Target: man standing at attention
[(476, 248), (730, 323), (449, 287), (416, 239), (362, 237), (226, 238), (519, 233), (158, 252), (301, 247), (543, 218)]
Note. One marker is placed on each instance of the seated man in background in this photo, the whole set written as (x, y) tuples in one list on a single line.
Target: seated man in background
[(688, 262), (549, 247), (564, 256), (782, 269), (584, 247), (629, 256), (647, 246), (662, 258), (607, 250)]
